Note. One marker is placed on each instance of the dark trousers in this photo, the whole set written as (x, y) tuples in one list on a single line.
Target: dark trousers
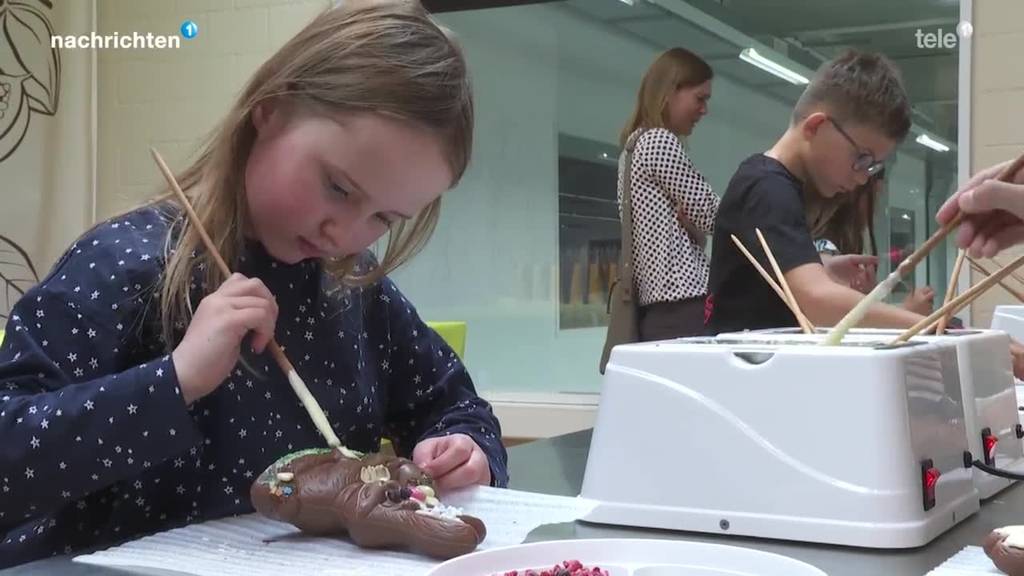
[(668, 320)]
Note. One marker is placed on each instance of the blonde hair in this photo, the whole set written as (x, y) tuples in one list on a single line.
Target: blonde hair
[(675, 68), (387, 57)]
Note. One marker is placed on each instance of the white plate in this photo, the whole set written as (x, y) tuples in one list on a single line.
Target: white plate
[(630, 557)]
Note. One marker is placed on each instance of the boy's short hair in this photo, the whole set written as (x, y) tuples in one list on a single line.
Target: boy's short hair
[(860, 87)]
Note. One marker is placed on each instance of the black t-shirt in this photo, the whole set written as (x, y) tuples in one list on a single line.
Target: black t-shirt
[(762, 194)]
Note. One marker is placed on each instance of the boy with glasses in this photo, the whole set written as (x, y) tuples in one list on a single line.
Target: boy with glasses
[(849, 119)]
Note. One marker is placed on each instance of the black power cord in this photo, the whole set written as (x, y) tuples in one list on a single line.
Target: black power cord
[(997, 471)]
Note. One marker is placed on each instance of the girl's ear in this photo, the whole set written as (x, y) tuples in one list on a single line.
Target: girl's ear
[(264, 113)]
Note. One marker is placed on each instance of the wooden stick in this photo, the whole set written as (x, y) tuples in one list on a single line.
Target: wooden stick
[(310, 403), (951, 289), (961, 301), (939, 328), (1013, 275), (1013, 291), (771, 282), (793, 304), (757, 265)]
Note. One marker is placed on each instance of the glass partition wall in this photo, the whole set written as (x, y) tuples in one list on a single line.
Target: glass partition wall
[(528, 241)]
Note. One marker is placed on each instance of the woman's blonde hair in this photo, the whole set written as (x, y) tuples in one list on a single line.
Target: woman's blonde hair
[(381, 56), (675, 68)]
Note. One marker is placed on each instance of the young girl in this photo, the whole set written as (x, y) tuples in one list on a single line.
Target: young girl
[(839, 225), (134, 392), (673, 205)]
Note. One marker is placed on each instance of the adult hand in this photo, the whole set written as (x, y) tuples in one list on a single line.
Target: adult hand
[(993, 212)]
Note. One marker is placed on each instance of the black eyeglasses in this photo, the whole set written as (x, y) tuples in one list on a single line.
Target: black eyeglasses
[(865, 160)]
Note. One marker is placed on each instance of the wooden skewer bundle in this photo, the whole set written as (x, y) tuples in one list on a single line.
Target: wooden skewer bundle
[(782, 287)]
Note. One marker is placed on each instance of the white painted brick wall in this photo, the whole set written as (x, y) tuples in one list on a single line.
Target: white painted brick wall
[(998, 114), (172, 98)]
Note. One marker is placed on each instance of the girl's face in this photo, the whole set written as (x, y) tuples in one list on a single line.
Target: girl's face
[(687, 106), (319, 186)]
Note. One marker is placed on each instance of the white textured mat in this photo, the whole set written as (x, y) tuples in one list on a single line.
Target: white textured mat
[(255, 546), (971, 561)]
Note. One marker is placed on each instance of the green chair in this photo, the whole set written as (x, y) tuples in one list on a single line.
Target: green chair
[(454, 333)]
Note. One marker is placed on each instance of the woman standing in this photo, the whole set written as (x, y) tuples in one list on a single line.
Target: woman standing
[(673, 207)]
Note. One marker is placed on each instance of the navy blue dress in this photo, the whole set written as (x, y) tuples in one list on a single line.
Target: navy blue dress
[(96, 443)]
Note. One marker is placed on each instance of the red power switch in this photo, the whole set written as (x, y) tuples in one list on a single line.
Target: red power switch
[(929, 479), (988, 444)]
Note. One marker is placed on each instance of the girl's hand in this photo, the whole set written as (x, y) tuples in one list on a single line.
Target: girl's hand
[(853, 270), (453, 461), (920, 301), (1017, 359), (211, 346)]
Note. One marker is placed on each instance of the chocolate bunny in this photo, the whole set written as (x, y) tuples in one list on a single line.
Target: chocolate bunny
[(1005, 546), (380, 501)]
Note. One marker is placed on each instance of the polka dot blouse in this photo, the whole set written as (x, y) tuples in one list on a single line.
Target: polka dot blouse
[(668, 265)]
